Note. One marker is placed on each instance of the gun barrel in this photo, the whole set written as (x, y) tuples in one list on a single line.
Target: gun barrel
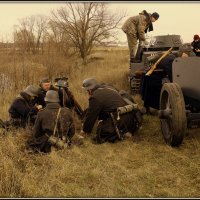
[(158, 61), (77, 106)]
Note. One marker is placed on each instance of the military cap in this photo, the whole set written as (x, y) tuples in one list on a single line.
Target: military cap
[(155, 15), (45, 80), (196, 37), (61, 82)]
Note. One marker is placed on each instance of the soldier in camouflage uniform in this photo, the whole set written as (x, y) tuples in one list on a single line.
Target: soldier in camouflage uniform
[(135, 28)]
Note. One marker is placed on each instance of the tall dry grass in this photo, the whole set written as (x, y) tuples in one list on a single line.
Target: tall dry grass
[(149, 168)]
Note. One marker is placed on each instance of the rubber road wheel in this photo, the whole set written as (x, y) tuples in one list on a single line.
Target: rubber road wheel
[(174, 124)]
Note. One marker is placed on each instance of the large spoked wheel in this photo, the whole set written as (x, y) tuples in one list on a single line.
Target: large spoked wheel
[(172, 114)]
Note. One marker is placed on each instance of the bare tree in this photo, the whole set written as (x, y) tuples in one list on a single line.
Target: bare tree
[(23, 35), (59, 38), (29, 33), (41, 25), (86, 24)]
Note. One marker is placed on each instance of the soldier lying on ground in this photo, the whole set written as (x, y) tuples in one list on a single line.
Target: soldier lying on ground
[(21, 110), (53, 126), (103, 105)]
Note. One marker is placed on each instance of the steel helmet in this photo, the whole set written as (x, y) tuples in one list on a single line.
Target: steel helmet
[(32, 91), (52, 96), (89, 83)]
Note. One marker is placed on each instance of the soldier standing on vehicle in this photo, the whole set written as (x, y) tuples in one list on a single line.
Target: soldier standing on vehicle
[(196, 45), (53, 126), (103, 104), (135, 28)]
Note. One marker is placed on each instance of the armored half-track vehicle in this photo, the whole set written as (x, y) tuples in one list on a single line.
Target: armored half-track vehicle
[(148, 55)]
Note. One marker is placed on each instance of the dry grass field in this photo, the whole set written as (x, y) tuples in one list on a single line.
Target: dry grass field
[(148, 168)]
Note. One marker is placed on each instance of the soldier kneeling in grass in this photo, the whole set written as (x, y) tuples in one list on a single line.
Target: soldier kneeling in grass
[(22, 111), (53, 126), (118, 116)]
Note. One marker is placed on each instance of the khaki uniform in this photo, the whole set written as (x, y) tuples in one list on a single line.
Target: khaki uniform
[(135, 27)]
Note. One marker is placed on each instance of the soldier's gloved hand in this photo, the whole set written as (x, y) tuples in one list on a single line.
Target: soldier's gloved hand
[(142, 43), (82, 134), (39, 107)]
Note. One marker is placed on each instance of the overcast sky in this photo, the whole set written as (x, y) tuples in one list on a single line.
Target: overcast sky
[(175, 18)]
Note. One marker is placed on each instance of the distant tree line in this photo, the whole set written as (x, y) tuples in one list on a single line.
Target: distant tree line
[(73, 28)]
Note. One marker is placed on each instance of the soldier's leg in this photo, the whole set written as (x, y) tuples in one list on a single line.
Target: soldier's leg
[(39, 144), (70, 135), (105, 132), (132, 44), (2, 124), (5, 124)]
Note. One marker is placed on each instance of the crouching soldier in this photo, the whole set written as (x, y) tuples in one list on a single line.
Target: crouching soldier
[(53, 126), (21, 110), (116, 116)]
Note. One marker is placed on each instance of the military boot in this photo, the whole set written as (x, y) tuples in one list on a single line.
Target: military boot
[(2, 124), (134, 60)]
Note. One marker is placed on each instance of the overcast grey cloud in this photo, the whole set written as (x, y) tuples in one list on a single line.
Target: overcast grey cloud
[(175, 18)]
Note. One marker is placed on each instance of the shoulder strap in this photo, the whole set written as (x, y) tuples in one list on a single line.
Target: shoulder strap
[(55, 127)]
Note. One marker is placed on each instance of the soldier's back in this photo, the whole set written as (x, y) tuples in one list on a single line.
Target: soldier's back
[(109, 98), (130, 25)]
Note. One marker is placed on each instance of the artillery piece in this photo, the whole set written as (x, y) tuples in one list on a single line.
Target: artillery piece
[(177, 98), (179, 107), (146, 56)]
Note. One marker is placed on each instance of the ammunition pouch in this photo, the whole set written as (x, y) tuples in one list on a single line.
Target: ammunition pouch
[(57, 142), (126, 109)]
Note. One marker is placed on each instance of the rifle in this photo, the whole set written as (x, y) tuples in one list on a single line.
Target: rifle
[(115, 126), (158, 61), (77, 106)]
